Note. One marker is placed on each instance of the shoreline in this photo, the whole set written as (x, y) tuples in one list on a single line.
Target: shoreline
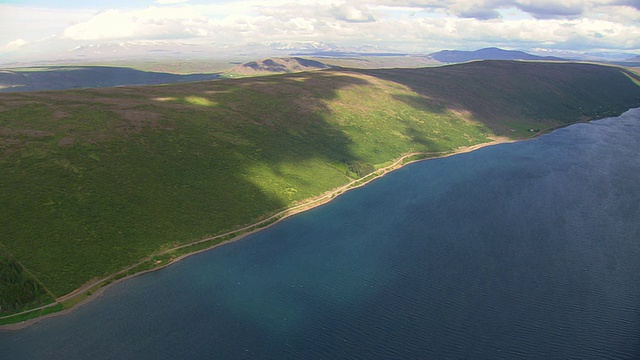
[(245, 231)]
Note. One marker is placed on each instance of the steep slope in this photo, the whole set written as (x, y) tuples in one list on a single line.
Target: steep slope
[(95, 180), (509, 96)]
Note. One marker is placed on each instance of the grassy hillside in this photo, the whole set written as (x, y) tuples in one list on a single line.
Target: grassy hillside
[(96, 180), (515, 95)]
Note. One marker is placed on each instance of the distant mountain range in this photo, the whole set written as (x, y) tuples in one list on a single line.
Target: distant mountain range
[(163, 50), (295, 46), (457, 56), (634, 59), (69, 77)]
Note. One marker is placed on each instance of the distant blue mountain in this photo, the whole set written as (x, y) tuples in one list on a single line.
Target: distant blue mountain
[(456, 56), (72, 77), (634, 59)]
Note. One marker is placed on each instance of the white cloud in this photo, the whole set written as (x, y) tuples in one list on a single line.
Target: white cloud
[(149, 23), (11, 45), (351, 13), (32, 23), (489, 9), (404, 25), (170, 2), (545, 9)]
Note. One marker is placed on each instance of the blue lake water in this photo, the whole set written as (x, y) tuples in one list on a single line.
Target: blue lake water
[(526, 250)]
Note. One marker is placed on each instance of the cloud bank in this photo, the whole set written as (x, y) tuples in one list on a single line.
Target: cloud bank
[(401, 25)]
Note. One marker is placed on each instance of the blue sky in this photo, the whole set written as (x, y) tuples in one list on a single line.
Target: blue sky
[(44, 28)]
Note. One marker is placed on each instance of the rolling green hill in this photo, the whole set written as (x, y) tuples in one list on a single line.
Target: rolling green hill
[(96, 180), (275, 66)]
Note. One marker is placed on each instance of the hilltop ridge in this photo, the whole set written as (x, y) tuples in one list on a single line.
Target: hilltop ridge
[(492, 53), (277, 66)]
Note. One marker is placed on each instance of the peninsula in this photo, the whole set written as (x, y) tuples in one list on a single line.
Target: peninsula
[(100, 184)]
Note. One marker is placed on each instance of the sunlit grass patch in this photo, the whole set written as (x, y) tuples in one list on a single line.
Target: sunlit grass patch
[(198, 100), (192, 100)]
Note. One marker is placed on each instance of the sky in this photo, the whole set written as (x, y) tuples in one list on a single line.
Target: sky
[(42, 28)]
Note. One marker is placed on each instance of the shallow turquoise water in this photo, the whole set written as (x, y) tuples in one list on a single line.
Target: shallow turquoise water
[(526, 250)]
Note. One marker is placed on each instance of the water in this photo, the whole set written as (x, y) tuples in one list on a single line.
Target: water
[(527, 250)]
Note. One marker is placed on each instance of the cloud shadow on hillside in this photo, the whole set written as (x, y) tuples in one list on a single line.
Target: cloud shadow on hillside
[(74, 77), (181, 172), (498, 92)]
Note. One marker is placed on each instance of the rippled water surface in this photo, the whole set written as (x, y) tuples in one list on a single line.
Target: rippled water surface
[(527, 250)]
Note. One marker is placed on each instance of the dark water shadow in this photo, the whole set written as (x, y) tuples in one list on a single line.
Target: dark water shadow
[(73, 77)]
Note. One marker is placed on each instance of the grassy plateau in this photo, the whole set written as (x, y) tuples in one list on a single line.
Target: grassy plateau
[(95, 181)]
